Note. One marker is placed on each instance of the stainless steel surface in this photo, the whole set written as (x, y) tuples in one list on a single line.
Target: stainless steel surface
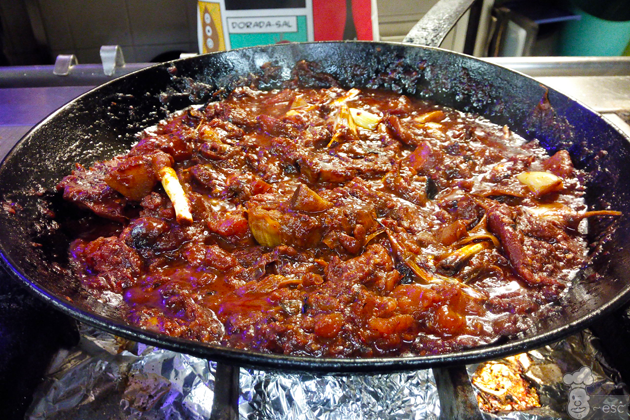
[(28, 106), (603, 83), (112, 58), (22, 108), (9, 135), (602, 93), (64, 64), (565, 66)]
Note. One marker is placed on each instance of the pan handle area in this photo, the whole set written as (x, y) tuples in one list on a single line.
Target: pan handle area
[(431, 30)]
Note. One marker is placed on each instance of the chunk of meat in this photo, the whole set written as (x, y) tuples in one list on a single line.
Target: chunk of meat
[(424, 159), (144, 232), (106, 264), (171, 144), (406, 184), (306, 200), (157, 205), (231, 225), (452, 233), (274, 227), (133, 177), (213, 256), (153, 238), (336, 168), (560, 164), (218, 258), (374, 265), (538, 249), (462, 207), (88, 189), (398, 131)]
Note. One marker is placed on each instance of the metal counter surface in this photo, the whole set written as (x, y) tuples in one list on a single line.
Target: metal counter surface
[(23, 108)]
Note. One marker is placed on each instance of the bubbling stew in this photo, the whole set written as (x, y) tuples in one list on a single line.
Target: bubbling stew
[(331, 222)]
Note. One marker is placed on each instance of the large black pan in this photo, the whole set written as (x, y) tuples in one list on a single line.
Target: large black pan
[(102, 123)]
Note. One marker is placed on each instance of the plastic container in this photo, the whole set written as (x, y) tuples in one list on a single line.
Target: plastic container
[(603, 30)]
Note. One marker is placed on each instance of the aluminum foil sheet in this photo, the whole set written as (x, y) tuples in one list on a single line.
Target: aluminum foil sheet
[(105, 377), (303, 396), (108, 378), (553, 372)]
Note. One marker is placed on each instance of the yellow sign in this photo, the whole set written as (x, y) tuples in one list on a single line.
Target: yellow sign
[(211, 35)]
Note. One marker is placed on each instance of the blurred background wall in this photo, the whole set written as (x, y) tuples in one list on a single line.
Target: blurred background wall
[(36, 31)]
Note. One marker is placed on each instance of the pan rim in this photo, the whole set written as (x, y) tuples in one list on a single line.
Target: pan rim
[(300, 363)]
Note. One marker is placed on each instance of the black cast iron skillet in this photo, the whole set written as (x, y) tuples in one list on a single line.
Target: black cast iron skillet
[(103, 122)]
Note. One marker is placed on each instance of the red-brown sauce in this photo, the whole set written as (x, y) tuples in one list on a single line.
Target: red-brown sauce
[(333, 223)]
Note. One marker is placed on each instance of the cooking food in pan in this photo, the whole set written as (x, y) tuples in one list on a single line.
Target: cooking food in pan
[(331, 222)]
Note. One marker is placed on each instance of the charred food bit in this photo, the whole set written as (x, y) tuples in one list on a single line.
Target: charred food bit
[(502, 385)]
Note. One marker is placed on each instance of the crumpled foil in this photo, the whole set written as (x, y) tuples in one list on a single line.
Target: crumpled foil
[(267, 395), (549, 365), (106, 377)]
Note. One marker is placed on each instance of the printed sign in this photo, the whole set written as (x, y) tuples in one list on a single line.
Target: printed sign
[(229, 24), (259, 25), (210, 27)]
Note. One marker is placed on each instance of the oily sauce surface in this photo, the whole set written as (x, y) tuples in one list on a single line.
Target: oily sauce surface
[(332, 222)]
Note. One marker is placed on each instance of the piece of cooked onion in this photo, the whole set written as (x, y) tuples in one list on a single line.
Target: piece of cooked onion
[(298, 105), (266, 230), (479, 238), (132, 177), (344, 123), (431, 116), (424, 275), (365, 119), (306, 200), (565, 215), (456, 258), (540, 183), (351, 94), (434, 129)]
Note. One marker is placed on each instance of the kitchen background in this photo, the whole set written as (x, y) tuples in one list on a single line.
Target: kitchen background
[(36, 31)]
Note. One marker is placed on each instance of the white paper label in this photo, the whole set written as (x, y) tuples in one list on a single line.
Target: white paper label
[(265, 24)]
